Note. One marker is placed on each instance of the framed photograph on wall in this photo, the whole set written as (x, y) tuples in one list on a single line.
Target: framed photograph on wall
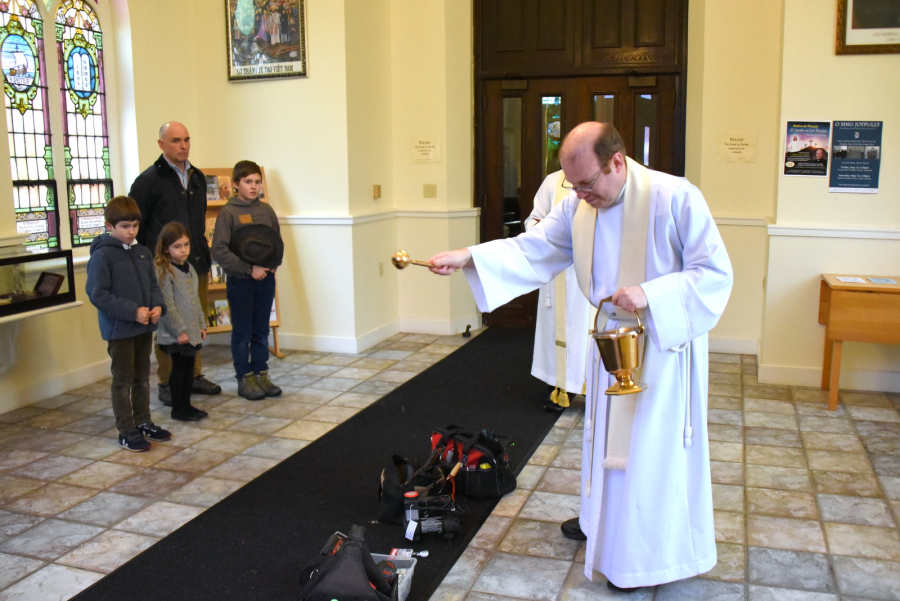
[(868, 27), (48, 284), (266, 38)]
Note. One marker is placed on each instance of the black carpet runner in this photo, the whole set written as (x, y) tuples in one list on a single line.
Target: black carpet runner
[(253, 544)]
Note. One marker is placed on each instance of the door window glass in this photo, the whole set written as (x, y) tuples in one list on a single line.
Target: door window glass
[(551, 133), (605, 108), (646, 128), (512, 166)]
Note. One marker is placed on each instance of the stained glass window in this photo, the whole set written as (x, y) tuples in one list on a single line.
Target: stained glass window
[(28, 123), (79, 41)]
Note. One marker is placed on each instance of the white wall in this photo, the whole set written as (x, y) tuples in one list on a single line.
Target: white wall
[(733, 85), (384, 72), (817, 232), (60, 351)]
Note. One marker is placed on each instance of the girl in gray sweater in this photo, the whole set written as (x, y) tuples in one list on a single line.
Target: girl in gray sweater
[(183, 328)]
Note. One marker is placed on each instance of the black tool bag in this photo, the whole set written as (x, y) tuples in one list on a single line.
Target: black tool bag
[(400, 477), (345, 570), (484, 461)]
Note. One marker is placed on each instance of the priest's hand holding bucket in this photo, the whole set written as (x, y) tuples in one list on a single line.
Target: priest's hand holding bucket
[(622, 349), (630, 298)]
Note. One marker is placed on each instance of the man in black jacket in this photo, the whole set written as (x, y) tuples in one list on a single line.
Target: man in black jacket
[(173, 190)]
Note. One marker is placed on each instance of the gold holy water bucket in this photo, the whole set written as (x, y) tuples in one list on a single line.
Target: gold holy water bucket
[(622, 351)]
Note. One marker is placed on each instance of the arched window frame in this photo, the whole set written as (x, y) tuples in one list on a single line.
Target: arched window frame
[(82, 83), (113, 15), (28, 116)]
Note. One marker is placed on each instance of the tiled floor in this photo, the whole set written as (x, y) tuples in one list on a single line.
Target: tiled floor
[(807, 502)]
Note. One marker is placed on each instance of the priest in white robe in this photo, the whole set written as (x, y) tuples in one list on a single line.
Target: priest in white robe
[(648, 240), (563, 315)]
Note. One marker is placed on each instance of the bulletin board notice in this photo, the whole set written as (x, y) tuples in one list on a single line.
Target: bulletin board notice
[(855, 157)]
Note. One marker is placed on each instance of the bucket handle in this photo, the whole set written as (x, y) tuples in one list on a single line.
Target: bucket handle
[(597, 315)]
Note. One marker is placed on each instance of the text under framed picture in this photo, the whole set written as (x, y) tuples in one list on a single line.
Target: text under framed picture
[(868, 27), (266, 38)]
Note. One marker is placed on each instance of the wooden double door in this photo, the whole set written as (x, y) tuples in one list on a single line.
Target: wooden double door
[(523, 123)]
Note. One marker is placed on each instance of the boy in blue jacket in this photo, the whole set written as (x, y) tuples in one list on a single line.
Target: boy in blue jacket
[(121, 283)]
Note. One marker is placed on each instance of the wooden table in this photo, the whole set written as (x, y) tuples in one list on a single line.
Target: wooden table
[(856, 312)]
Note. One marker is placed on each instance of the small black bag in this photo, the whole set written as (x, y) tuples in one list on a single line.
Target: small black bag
[(401, 477), (484, 472), (344, 569)]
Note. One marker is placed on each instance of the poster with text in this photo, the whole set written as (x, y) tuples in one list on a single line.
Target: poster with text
[(806, 148), (855, 157)]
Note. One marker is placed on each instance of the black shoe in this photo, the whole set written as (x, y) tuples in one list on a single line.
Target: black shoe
[(154, 432), (551, 406), (199, 412), (187, 415), (165, 394), (572, 529), (203, 386), (612, 586), (134, 442)]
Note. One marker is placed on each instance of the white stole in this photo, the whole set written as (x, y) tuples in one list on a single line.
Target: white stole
[(632, 272)]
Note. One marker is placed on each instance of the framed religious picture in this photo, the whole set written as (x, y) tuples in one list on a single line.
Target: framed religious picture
[(266, 38), (868, 27), (48, 284)]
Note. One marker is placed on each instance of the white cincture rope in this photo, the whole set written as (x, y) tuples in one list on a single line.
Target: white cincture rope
[(688, 430), (589, 427)]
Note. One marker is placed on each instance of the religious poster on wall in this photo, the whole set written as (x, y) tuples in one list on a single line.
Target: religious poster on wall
[(266, 38), (855, 157), (806, 148)]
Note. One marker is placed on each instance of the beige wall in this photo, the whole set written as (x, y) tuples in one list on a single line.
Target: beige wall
[(429, 304), (734, 66), (375, 281), (738, 330), (383, 73), (818, 232), (792, 340), (55, 352), (369, 120), (60, 351), (825, 87)]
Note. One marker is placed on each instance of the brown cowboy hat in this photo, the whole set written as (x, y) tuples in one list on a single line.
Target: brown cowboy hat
[(258, 244)]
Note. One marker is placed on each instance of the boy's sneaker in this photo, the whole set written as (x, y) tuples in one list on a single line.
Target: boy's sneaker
[(165, 394), (154, 432), (263, 381), (133, 441), (249, 389), (201, 385)]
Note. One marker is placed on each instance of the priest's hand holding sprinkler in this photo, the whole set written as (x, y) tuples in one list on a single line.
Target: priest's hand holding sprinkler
[(449, 261)]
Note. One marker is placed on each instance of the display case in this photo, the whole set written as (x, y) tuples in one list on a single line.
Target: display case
[(31, 281)]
